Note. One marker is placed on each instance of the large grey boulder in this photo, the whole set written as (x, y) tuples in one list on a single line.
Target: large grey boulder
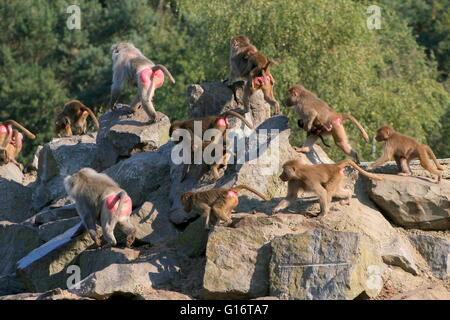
[(412, 202), (59, 158), (237, 259), (10, 285), (323, 264), (16, 241), (15, 204), (122, 134), (436, 252), (398, 254), (143, 173)]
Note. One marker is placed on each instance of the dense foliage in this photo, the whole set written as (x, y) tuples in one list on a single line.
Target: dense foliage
[(379, 76)]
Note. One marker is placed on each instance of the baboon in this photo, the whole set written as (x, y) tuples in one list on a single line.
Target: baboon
[(131, 66), (248, 63), (404, 149), (100, 199), (74, 113), (315, 112), (11, 141), (326, 180), (316, 130), (218, 201)]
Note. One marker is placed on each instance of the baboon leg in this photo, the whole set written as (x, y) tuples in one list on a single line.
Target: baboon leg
[(405, 169), (323, 198), (268, 96), (341, 140), (147, 102), (246, 95), (306, 146), (88, 221), (109, 222), (136, 103), (127, 227), (292, 194), (426, 163), (222, 214), (206, 214)]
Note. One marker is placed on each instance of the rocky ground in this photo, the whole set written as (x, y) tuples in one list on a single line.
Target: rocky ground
[(391, 242)]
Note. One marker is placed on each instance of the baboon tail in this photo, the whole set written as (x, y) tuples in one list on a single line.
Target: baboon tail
[(431, 154), (92, 115), (164, 69), (243, 186), (18, 125), (348, 162), (357, 124), (122, 195), (237, 115)]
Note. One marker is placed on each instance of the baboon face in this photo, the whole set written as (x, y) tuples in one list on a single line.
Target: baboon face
[(286, 175), (239, 41), (292, 96), (383, 133)]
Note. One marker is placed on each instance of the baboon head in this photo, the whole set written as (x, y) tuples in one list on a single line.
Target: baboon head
[(289, 170), (186, 200), (293, 95), (239, 41), (384, 133)]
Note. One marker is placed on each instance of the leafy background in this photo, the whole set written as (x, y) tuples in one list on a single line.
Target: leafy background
[(397, 75)]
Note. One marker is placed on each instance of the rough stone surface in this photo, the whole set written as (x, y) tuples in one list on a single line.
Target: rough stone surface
[(322, 264), (412, 202), (15, 204), (16, 241), (52, 229), (436, 252), (428, 292), (10, 285), (398, 254), (237, 259), (61, 157), (122, 134)]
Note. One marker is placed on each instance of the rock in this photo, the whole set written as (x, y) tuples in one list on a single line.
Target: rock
[(35, 163), (143, 173), (323, 264), (237, 259), (54, 214), (133, 279), (11, 172), (16, 241), (58, 158), (52, 229), (91, 261), (429, 292), (412, 202), (436, 252), (15, 205), (398, 254), (164, 295), (213, 98), (194, 238), (122, 134), (21, 296), (45, 268), (9, 285)]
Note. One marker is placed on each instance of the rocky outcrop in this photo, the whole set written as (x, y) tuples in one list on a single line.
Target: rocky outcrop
[(429, 292), (123, 134), (414, 203), (322, 264)]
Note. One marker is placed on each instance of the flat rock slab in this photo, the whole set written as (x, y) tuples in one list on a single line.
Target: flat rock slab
[(413, 202)]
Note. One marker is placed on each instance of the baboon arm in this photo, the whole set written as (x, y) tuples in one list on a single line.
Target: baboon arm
[(387, 154)]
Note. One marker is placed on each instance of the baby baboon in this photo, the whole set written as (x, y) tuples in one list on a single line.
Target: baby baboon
[(323, 179), (315, 112), (220, 201), (131, 66), (404, 149), (75, 113), (11, 141), (248, 63), (100, 199)]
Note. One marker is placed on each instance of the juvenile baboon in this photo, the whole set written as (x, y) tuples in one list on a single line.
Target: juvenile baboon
[(11, 141), (315, 112), (218, 201), (131, 66), (248, 63), (326, 180), (74, 113), (404, 149), (100, 199), (316, 130)]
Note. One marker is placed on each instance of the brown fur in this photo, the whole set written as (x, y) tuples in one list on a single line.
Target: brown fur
[(74, 113), (217, 200), (316, 113), (323, 179), (404, 149), (247, 62), (9, 150)]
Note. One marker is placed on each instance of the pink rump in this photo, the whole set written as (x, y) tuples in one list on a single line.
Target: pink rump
[(147, 75), (222, 122), (112, 203), (3, 130)]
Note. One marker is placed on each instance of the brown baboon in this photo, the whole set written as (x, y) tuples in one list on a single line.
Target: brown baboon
[(315, 112), (75, 113), (404, 149), (218, 201), (100, 199), (323, 179)]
